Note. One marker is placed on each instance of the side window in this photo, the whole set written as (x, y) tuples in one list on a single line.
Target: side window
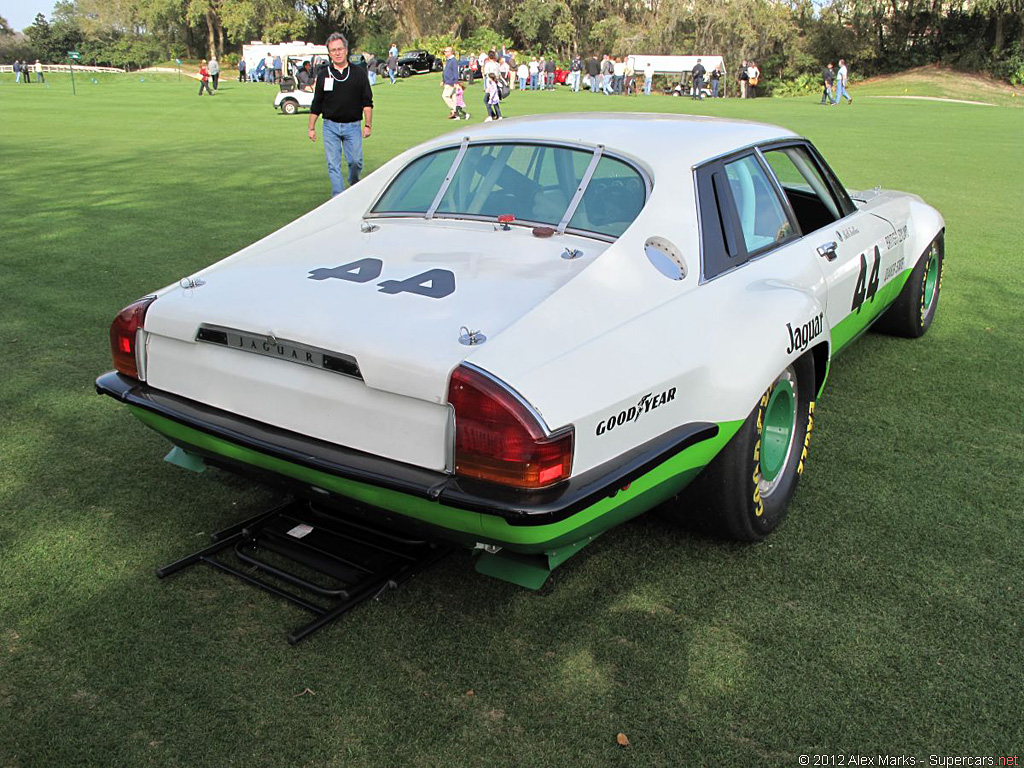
[(762, 219), (810, 197), (741, 213)]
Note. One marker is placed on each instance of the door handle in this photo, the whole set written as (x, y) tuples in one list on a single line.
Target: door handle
[(828, 250)]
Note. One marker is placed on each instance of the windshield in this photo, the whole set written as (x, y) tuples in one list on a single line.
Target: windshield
[(535, 183)]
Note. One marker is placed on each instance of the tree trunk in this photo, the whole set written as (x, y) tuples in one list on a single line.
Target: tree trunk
[(997, 46), (211, 46)]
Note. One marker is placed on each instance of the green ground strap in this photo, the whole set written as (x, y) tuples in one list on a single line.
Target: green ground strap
[(530, 571), (182, 458), (658, 485)]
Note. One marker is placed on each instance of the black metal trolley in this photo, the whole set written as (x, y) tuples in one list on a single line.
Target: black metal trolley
[(336, 562)]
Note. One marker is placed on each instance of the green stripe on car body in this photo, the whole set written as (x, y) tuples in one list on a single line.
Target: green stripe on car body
[(854, 324), (657, 485)]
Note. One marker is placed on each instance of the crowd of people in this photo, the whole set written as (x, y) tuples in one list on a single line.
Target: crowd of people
[(23, 71), (607, 75), (343, 95)]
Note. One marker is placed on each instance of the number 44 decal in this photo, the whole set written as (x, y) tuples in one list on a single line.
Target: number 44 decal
[(434, 283), (865, 289)]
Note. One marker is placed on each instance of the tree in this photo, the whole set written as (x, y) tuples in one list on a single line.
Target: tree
[(545, 25)]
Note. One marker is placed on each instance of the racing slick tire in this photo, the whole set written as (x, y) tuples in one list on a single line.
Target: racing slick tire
[(289, 106), (912, 313), (743, 494)]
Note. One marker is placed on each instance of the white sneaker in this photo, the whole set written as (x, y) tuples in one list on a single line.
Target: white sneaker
[(488, 119), (466, 117)]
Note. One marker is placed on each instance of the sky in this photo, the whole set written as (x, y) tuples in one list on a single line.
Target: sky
[(21, 13)]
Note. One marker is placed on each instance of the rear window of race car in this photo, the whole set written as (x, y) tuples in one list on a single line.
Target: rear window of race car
[(535, 183)]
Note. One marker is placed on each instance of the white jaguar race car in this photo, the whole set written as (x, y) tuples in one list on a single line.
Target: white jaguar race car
[(522, 333)]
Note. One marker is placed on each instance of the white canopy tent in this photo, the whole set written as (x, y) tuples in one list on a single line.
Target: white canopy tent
[(677, 65), (256, 51)]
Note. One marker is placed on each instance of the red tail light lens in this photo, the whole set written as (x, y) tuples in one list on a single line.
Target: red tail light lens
[(498, 439), (124, 336)]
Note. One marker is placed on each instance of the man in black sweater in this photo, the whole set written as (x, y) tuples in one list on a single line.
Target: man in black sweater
[(342, 95), (828, 79), (593, 68), (697, 73)]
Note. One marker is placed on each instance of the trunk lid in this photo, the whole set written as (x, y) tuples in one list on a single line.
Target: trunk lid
[(394, 299)]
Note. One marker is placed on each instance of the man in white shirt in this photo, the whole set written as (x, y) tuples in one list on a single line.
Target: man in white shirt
[(841, 77), (648, 77), (753, 79)]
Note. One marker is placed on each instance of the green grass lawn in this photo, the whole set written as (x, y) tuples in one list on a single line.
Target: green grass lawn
[(884, 617)]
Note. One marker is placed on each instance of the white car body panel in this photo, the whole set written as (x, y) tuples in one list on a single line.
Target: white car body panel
[(580, 340)]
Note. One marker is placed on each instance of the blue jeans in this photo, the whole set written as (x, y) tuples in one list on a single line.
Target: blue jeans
[(840, 92), (574, 81), (347, 137), (533, 81), (522, 83), (648, 82), (371, 73), (391, 74)]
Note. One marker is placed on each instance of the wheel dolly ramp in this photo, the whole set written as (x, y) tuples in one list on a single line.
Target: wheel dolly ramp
[(334, 562)]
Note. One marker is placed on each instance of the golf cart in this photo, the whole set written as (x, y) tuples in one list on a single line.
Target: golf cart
[(292, 95)]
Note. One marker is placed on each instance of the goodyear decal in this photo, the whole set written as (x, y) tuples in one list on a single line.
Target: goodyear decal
[(631, 415), (756, 478), (807, 438)]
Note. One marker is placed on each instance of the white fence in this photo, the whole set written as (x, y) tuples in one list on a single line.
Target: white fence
[(62, 68)]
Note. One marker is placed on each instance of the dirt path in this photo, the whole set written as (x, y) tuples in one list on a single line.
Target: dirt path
[(937, 98)]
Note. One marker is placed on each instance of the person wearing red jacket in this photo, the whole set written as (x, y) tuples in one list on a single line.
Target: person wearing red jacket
[(204, 78)]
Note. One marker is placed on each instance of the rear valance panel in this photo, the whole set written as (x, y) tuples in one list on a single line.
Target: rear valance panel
[(318, 403)]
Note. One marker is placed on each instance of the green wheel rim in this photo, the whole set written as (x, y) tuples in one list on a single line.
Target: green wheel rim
[(777, 432), (931, 278)]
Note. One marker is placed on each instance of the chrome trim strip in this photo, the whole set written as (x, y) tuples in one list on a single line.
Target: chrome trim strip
[(312, 357), (521, 400), (447, 179), (780, 192), (449, 442), (745, 148), (582, 188)]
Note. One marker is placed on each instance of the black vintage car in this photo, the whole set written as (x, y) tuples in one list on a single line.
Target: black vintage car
[(417, 62)]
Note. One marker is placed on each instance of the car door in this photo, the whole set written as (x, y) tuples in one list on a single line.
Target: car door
[(850, 243)]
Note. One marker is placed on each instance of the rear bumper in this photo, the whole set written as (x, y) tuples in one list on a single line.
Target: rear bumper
[(465, 509)]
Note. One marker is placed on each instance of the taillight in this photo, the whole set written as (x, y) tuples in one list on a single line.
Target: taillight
[(498, 438), (124, 335)]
